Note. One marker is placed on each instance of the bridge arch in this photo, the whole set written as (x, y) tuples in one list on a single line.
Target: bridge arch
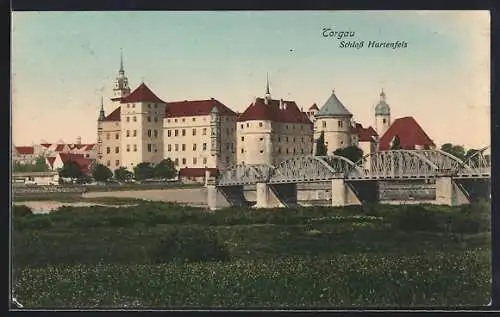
[(446, 163), (310, 169), (393, 164), (478, 160), (243, 174)]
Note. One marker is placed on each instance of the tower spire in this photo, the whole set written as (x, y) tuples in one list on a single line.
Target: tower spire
[(268, 93), (102, 115), (121, 61), (382, 95)]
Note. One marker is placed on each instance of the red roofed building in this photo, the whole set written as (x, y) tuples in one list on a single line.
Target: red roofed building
[(410, 133), (270, 131), (24, 154), (84, 163), (364, 138)]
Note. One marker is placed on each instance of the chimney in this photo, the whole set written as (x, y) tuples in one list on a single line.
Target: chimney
[(281, 104), (79, 140)]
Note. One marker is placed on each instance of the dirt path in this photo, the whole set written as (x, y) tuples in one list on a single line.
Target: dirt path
[(191, 196)]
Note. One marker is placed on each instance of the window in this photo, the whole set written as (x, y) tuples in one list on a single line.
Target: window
[(183, 132), (183, 161), (156, 106), (168, 120), (176, 161), (242, 150), (293, 139), (108, 150), (128, 119), (128, 133), (242, 126), (135, 147), (149, 147), (169, 147), (227, 159), (195, 161), (204, 131), (135, 119), (242, 138), (227, 146), (194, 131), (108, 163), (149, 106), (293, 150), (107, 136), (279, 150), (340, 123), (177, 147), (194, 147), (383, 120), (184, 147), (128, 147), (261, 139), (149, 118), (324, 124), (183, 119), (176, 132), (287, 139), (117, 136), (175, 120), (117, 149), (261, 151), (287, 151), (204, 146), (227, 131), (156, 133), (260, 124), (169, 133), (194, 119), (133, 105), (279, 139), (302, 139), (248, 125), (204, 160), (286, 126), (156, 119), (128, 106), (149, 132)]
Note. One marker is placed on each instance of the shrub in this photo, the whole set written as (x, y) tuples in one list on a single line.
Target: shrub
[(470, 219), (21, 211), (416, 218), (190, 244)]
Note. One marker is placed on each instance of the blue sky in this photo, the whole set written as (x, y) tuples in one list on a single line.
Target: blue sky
[(63, 62)]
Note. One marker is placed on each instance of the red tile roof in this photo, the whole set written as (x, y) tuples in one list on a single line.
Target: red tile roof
[(114, 116), (410, 134), (272, 112), (85, 164), (89, 147), (51, 161), (59, 147), (364, 134), (314, 107), (141, 94), (193, 108), (25, 150), (196, 172)]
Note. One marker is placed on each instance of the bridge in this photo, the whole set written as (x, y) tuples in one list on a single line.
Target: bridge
[(454, 181)]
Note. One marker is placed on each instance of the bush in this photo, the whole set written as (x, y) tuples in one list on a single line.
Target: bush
[(21, 211), (470, 219), (416, 218), (190, 244)]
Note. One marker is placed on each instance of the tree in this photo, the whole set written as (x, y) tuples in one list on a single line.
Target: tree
[(71, 170), (352, 153), (396, 143), (455, 150), (123, 175), (143, 171), (321, 148), (39, 166), (101, 173), (165, 169)]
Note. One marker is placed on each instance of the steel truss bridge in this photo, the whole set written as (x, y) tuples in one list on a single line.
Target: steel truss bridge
[(379, 166)]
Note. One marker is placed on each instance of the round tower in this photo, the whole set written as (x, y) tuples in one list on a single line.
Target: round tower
[(382, 115), (334, 120)]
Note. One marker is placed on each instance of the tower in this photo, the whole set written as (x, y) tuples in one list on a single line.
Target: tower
[(267, 97), (102, 117), (382, 115), (121, 88)]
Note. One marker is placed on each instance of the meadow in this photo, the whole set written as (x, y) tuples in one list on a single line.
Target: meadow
[(160, 255)]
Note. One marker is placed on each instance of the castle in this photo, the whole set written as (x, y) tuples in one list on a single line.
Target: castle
[(206, 135)]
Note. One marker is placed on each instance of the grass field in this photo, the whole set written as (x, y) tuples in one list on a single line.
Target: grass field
[(161, 255)]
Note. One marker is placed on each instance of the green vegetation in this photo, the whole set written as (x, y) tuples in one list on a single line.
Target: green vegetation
[(143, 171), (352, 153), (396, 143), (123, 175), (71, 170), (162, 255), (39, 166), (165, 169), (101, 173), (321, 148)]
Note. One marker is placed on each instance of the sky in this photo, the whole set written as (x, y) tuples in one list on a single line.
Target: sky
[(64, 62)]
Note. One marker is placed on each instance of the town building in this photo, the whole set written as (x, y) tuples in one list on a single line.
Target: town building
[(410, 133), (270, 131)]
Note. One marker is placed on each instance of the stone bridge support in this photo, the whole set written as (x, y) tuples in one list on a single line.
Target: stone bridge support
[(223, 197), (450, 193), (343, 194), (267, 197)]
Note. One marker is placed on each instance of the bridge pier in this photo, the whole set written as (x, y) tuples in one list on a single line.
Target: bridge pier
[(223, 197), (266, 197), (342, 194), (449, 193)]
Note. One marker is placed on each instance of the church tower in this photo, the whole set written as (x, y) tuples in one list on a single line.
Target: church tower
[(382, 115), (121, 88), (102, 117)]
